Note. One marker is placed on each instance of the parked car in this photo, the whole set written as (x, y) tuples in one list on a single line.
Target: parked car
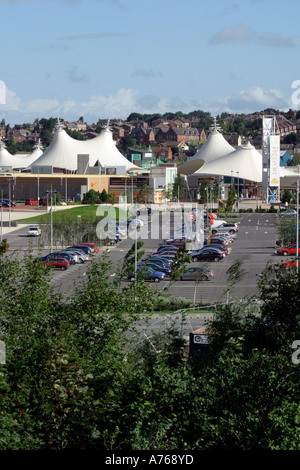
[(85, 248), (208, 254), (30, 202), (222, 229), (42, 201), (148, 274), (156, 266), (197, 274), (224, 232), (7, 203), (34, 231), (68, 256), (175, 241), (219, 246), (166, 261), (216, 240), (92, 245), (288, 213), (165, 252), (291, 263), (82, 256), (232, 228), (168, 247), (287, 250), (56, 262)]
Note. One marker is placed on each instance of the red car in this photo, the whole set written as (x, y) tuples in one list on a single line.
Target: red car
[(92, 245), (291, 264), (30, 202), (62, 263), (288, 250)]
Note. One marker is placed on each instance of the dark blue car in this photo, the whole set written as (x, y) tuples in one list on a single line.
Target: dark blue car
[(148, 274), (157, 267)]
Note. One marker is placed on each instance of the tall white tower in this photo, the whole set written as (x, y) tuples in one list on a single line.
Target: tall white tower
[(270, 159)]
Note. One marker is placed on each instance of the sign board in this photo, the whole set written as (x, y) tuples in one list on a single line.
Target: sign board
[(274, 177)]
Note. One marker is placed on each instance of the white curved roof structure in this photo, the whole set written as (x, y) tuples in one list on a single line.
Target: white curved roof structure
[(63, 150), (245, 162), (7, 159), (215, 147), (26, 160)]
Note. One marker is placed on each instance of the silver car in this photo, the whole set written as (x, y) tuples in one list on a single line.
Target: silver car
[(288, 213), (34, 231), (197, 274)]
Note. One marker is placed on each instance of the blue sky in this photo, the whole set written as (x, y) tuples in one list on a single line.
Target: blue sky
[(108, 58)]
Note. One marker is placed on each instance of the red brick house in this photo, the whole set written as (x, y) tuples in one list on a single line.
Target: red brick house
[(177, 134), (162, 152), (143, 136)]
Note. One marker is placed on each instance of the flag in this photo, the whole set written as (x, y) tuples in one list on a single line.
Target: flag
[(221, 204)]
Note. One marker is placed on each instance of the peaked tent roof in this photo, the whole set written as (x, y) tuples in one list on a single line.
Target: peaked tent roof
[(28, 159), (216, 146), (245, 162), (7, 159), (63, 150)]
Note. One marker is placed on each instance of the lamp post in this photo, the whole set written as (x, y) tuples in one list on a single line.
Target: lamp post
[(51, 216), (297, 229), (238, 190), (1, 216)]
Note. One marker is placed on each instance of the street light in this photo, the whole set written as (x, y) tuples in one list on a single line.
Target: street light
[(51, 216), (297, 229), (238, 190)]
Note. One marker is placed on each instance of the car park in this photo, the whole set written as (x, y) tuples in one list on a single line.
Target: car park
[(195, 273), (287, 250), (34, 231), (148, 274), (207, 254)]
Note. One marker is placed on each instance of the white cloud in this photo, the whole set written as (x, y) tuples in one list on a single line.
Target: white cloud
[(233, 34), (251, 100), (241, 34), (75, 77), (126, 101)]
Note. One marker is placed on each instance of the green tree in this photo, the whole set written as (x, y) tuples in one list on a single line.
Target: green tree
[(178, 187), (230, 200), (286, 196), (91, 197)]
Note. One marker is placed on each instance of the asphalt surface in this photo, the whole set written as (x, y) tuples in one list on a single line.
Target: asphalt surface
[(254, 246)]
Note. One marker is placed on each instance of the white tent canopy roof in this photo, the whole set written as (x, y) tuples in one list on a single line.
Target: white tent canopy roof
[(7, 159), (63, 150), (245, 162), (215, 147)]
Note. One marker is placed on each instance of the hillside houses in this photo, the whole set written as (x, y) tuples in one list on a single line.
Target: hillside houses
[(171, 139)]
